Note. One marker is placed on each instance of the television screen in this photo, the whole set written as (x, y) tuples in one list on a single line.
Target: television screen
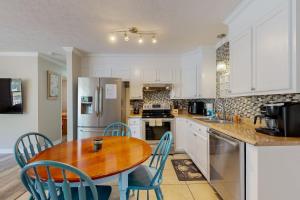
[(11, 101)]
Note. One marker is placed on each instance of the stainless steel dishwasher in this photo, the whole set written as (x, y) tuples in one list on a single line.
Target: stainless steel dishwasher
[(227, 165)]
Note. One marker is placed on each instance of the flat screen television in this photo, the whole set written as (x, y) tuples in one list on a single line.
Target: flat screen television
[(11, 101)]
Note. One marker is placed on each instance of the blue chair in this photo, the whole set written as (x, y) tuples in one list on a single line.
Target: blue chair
[(150, 177), (46, 188), (28, 145), (117, 129)]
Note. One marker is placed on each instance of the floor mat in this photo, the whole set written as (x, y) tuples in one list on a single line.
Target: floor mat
[(186, 170)]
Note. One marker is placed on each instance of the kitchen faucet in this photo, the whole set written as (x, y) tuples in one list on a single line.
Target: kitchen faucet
[(223, 103), (223, 108)]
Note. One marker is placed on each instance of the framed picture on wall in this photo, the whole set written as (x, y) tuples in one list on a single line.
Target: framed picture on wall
[(53, 85)]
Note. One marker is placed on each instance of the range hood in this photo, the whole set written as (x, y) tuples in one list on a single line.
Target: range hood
[(157, 86)]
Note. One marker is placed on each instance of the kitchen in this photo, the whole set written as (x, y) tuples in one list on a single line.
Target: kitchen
[(230, 95), (247, 88)]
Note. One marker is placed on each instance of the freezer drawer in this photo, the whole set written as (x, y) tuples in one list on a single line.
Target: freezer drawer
[(84, 133)]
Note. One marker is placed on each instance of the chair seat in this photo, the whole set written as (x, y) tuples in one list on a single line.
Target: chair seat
[(141, 177), (103, 193)]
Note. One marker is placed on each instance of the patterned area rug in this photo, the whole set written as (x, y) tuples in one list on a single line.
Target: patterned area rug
[(186, 170)]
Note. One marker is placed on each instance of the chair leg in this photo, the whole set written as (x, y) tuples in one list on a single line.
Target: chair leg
[(127, 194), (159, 194), (138, 195), (147, 194)]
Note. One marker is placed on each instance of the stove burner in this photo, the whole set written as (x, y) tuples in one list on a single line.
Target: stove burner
[(157, 114)]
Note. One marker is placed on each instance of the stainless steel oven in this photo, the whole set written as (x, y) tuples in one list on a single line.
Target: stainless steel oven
[(152, 133), (227, 165)]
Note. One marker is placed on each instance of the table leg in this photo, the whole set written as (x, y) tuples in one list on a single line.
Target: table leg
[(123, 184)]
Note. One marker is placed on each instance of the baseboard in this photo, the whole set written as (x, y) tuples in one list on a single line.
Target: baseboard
[(57, 142), (6, 151), (9, 151)]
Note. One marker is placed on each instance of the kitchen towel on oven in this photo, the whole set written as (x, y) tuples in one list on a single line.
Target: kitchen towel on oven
[(152, 122), (158, 122)]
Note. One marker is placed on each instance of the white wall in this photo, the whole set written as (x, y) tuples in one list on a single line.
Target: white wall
[(49, 111), (23, 66), (73, 64)]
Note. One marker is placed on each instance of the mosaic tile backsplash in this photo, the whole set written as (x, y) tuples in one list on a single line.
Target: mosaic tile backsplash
[(157, 97), (222, 78), (250, 106)]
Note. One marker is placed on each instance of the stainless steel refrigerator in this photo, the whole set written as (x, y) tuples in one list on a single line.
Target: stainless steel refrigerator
[(99, 104)]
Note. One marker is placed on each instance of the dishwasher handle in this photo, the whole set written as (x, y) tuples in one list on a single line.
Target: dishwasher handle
[(225, 139)]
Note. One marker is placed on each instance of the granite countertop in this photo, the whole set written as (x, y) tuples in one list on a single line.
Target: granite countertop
[(245, 131)]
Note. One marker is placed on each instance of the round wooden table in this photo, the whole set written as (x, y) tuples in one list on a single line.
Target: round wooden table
[(118, 157)]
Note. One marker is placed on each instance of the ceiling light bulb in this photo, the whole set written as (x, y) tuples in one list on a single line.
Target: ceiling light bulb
[(154, 40), (140, 40), (112, 38), (126, 37)]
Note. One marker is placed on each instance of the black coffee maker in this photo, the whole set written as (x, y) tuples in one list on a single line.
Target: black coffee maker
[(281, 119), (196, 108)]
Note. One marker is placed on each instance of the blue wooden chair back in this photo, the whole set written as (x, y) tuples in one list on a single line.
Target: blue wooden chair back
[(42, 189), (28, 145), (160, 157), (117, 129)]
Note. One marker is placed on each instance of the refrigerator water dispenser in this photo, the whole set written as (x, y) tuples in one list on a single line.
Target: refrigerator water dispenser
[(87, 105)]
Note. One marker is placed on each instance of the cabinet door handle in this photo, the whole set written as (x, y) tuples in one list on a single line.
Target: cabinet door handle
[(253, 89)]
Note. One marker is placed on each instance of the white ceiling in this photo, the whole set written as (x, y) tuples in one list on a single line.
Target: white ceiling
[(48, 25)]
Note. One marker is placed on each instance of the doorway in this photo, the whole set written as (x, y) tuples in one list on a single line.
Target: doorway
[(64, 117)]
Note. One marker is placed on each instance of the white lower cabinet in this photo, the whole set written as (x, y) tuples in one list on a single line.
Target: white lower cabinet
[(180, 133), (202, 151), (135, 125), (193, 139)]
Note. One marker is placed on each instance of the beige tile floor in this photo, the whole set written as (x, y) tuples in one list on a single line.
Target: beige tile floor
[(171, 187)]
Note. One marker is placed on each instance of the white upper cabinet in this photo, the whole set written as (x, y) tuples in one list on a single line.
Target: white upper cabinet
[(264, 58), (189, 81), (198, 74), (149, 75), (176, 89), (136, 84), (121, 72), (272, 51), (158, 75), (206, 74), (192, 75), (241, 63), (165, 75)]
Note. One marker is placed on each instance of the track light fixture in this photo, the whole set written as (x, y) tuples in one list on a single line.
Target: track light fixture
[(134, 31)]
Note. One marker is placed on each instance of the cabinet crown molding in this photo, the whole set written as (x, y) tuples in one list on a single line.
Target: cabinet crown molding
[(237, 10)]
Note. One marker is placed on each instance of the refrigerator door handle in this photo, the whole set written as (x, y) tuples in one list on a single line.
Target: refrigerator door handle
[(96, 101), (100, 101)]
